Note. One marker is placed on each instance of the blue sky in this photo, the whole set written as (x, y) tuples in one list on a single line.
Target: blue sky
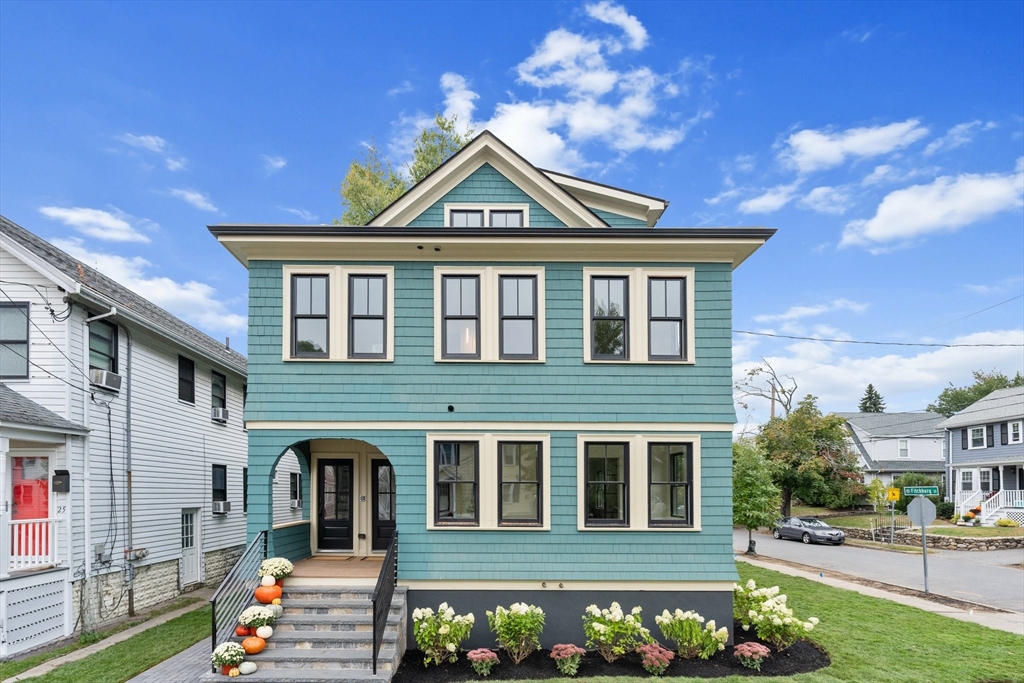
[(884, 141)]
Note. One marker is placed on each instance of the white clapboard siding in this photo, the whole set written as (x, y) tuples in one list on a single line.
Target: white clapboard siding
[(283, 513)]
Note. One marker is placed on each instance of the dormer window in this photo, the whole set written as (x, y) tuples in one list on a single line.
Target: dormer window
[(481, 215)]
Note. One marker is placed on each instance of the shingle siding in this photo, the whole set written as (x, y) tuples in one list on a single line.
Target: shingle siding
[(616, 220)]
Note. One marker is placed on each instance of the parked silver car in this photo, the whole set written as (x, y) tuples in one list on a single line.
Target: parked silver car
[(808, 530)]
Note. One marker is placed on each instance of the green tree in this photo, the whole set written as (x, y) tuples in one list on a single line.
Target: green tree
[(913, 479), (872, 401), (369, 187), (811, 458), (877, 494), (435, 145), (954, 399), (755, 497)]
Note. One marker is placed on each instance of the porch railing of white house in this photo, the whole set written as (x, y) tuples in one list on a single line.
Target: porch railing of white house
[(32, 543), (1003, 498), (965, 500), (237, 591), (382, 594)]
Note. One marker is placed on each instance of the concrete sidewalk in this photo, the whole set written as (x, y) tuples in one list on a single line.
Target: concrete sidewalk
[(1001, 621), (47, 667)]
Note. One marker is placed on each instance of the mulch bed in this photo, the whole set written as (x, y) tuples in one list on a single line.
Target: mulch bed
[(800, 658)]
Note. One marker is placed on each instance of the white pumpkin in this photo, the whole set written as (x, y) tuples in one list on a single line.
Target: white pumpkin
[(264, 632), (246, 668), (278, 610), (268, 581)]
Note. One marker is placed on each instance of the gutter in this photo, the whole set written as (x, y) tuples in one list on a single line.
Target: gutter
[(533, 233)]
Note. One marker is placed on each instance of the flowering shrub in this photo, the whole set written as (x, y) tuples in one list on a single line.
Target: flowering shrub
[(256, 616), (567, 658), (655, 658), (482, 660), (278, 567), (439, 635), (517, 628), (227, 654), (1006, 522), (691, 638), (767, 611), (751, 654), (614, 633)]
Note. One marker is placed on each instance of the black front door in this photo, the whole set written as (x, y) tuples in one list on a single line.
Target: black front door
[(334, 505), (383, 504)]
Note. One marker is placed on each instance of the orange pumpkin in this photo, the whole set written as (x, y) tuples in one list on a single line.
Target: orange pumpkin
[(253, 645), (267, 594)]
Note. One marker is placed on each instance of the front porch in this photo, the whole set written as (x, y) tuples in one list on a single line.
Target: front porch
[(991, 492), (336, 570)]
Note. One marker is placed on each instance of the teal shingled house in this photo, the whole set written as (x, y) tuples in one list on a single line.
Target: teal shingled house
[(518, 372)]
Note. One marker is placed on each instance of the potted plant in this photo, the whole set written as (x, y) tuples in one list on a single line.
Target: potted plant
[(252, 618), (277, 567), (227, 656)]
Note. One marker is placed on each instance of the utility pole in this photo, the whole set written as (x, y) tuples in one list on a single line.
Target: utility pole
[(772, 385)]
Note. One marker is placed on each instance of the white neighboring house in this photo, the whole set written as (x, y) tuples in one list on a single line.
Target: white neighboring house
[(892, 444), (122, 448), (986, 457)]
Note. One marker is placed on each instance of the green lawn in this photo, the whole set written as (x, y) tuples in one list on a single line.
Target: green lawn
[(124, 660), (947, 529), (855, 521)]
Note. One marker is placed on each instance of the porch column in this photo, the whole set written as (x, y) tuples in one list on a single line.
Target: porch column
[(5, 509)]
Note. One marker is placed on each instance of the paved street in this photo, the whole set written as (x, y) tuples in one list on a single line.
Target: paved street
[(976, 576)]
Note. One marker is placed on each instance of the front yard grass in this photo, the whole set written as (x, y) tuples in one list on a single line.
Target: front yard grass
[(947, 529), (122, 661)]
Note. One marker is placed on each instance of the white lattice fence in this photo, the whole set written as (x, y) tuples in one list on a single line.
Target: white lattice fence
[(34, 610), (1016, 515)]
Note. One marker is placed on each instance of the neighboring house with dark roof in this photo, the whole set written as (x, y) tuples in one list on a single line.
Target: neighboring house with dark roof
[(986, 456), (122, 447), (891, 444)]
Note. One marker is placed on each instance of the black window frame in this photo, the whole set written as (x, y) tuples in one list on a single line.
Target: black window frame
[(295, 486), (539, 483), (186, 378), (502, 318), (438, 520), (651, 319), (214, 376), (601, 522), (219, 494), (686, 522), (9, 342), (624, 317), (295, 317), (245, 489), (352, 317), (505, 212), (465, 212), (114, 343), (445, 317)]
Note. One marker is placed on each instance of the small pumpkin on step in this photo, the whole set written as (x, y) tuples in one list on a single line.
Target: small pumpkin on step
[(246, 668)]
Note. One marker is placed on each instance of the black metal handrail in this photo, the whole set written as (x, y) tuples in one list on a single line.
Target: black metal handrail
[(237, 591), (382, 594)]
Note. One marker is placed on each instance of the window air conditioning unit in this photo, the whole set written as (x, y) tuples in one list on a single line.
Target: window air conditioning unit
[(219, 414), (104, 380), (221, 507), (296, 504)]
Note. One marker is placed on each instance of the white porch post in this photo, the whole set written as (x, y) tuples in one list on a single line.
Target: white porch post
[(5, 510)]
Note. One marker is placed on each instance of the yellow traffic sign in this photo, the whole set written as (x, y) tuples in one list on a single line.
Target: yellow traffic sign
[(894, 494)]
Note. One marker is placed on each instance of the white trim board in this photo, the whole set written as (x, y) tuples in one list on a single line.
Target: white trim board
[(479, 426)]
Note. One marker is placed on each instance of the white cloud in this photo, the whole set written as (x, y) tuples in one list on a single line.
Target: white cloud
[(616, 15), (745, 163), (273, 164), (102, 225), (193, 197), (1004, 285), (814, 150), (152, 143), (569, 60), (800, 312), (826, 200), (458, 98), (859, 34), (301, 213), (946, 204), (772, 200), (401, 88), (957, 136), (724, 195), (195, 302), (176, 164)]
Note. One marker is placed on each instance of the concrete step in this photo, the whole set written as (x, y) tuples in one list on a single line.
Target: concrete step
[(320, 640), (293, 607), (323, 659), (332, 622)]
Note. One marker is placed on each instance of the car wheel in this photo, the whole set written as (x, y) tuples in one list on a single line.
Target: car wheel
[(806, 538), (776, 533)]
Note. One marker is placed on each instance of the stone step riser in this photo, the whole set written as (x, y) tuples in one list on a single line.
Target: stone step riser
[(383, 664), (328, 609)]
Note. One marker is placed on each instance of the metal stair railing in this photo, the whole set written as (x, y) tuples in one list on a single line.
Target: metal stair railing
[(383, 592), (237, 591)]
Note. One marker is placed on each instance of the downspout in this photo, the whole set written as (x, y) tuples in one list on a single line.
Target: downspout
[(130, 555)]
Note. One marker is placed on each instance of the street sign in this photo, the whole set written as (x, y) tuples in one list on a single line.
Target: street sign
[(921, 512), (893, 495), (920, 490)]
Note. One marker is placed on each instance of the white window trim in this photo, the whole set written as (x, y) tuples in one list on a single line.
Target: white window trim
[(970, 438), (486, 208), (638, 332), (639, 487), (487, 479), (1020, 432), (490, 291), (899, 449), (337, 311)]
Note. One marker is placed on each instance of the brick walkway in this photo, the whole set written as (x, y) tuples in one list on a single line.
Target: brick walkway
[(184, 667)]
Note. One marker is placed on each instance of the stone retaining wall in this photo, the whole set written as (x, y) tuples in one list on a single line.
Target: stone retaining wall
[(913, 538)]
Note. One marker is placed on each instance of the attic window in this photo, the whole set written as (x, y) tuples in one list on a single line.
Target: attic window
[(467, 219), (487, 215)]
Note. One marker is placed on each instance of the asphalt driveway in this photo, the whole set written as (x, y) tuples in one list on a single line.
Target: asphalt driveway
[(982, 577)]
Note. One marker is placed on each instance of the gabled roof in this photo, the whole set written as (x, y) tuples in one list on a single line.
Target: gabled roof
[(487, 148), (16, 410), (896, 424), (94, 285), (1000, 405), (609, 198), (909, 466)]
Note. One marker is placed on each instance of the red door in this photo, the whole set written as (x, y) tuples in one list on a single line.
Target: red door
[(30, 486)]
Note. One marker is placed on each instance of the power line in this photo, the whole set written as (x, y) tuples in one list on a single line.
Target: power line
[(59, 350), (853, 341)]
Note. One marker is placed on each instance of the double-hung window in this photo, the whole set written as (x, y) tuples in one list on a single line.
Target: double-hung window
[(186, 379), (310, 317), (609, 327), (904, 448), (456, 494), (220, 483), (977, 437), (295, 487), (367, 327), (1015, 432), (607, 484), (218, 390), (670, 477), (506, 219), (666, 318), (103, 346), (985, 480), (460, 301), (466, 218), (966, 480), (519, 483), (518, 325), (14, 340)]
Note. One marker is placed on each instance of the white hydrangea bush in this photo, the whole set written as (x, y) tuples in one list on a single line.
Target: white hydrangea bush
[(614, 633), (693, 637), (768, 611), (517, 629), (440, 634)]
